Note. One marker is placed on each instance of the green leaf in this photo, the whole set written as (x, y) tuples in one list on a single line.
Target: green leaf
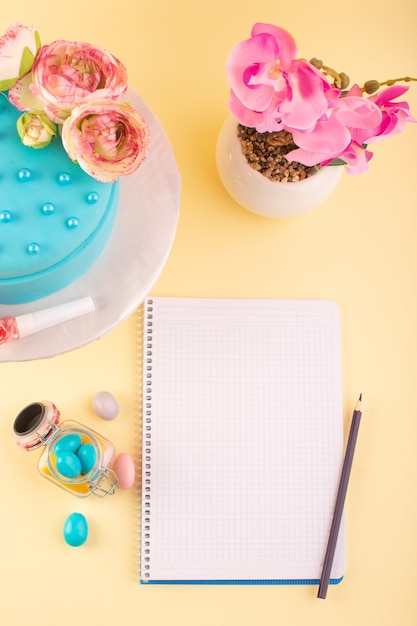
[(6, 84), (26, 61), (20, 126), (336, 162), (49, 124), (41, 146), (38, 41)]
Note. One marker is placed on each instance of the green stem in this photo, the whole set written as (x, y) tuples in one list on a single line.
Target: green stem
[(371, 86)]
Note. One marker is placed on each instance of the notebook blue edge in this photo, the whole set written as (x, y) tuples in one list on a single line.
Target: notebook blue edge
[(333, 581)]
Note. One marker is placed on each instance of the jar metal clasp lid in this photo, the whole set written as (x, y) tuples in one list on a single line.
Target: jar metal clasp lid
[(105, 483), (45, 438)]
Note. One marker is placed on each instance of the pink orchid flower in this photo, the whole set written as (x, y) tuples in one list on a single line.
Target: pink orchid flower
[(108, 139), (18, 48), (356, 157), (68, 73), (395, 115), (340, 133), (269, 87)]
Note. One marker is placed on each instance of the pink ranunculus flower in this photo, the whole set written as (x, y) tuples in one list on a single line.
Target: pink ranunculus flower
[(269, 87), (18, 48), (66, 74), (108, 139)]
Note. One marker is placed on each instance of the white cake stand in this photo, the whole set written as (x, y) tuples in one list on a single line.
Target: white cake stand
[(131, 262)]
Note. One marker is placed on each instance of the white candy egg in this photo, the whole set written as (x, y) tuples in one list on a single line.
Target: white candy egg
[(105, 405)]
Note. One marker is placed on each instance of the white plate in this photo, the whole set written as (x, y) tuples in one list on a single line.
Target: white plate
[(129, 265)]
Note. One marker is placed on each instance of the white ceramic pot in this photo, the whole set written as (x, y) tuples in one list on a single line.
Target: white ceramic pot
[(260, 195)]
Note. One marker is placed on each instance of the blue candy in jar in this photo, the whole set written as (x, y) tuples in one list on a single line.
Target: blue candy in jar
[(87, 455), (70, 443), (68, 464)]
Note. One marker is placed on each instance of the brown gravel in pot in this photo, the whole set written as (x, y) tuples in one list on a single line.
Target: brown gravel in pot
[(265, 152)]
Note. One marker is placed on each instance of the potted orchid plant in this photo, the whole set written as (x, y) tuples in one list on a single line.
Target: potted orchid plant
[(73, 91), (296, 118)]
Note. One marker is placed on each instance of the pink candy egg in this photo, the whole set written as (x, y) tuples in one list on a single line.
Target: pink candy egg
[(124, 468)]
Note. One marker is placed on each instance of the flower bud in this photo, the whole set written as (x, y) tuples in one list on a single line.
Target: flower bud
[(344, 80), (371, 86), (35, 130), (316, 62)]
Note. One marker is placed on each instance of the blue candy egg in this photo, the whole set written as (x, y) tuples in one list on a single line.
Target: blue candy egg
[(75, 529), (69, 443), (68, 464), (87, 455)]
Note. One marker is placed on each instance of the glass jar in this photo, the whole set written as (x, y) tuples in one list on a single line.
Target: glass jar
[(62, 460)]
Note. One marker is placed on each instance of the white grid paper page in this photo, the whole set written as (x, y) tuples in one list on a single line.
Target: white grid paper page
[(245, 441)]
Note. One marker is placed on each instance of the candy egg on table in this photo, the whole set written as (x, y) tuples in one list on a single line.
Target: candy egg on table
[(124, 467), (75, 529), (105, 405)]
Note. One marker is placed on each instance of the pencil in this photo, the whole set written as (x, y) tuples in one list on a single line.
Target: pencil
[(340, 500)]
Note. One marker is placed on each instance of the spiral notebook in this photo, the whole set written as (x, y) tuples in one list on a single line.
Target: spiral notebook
[(242, 440)]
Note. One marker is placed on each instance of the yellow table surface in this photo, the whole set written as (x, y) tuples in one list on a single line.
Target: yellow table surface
[(359, 249)]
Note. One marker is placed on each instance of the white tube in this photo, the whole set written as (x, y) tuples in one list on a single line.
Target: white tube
[(31, 323)]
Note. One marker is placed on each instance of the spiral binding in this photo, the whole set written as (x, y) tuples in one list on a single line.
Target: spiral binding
[(147, 440), (138, 434)]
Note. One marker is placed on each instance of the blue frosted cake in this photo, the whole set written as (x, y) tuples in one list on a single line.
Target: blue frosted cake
[(54, 218), (66, 137)]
